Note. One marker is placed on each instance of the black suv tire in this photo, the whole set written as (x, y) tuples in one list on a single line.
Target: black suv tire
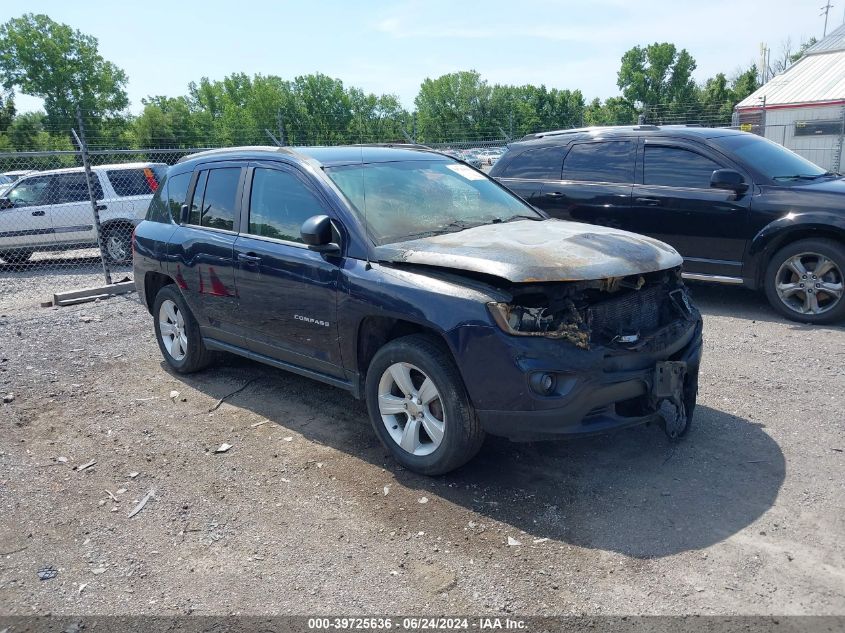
[(196, 356), (462, 434), (808, 251)]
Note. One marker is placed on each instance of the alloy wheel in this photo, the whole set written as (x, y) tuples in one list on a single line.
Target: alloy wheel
[(116, 248), (809, 283), (171, 324), (411, 409)]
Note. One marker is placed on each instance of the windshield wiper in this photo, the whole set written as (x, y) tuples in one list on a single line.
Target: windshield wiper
[(453, 227), (804, 176), (518, 216)]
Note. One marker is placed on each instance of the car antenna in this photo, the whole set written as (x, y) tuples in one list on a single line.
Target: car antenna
[(369, 265)]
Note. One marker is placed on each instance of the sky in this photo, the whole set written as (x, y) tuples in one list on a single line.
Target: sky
[(391, 47)]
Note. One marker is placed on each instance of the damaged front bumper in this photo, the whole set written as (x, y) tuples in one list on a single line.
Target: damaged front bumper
[(587, 391)]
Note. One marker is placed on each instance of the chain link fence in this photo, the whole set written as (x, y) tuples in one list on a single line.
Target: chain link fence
[(75, 209)]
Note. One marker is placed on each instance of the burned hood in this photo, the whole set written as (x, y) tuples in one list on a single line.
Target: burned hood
[(537, 251)]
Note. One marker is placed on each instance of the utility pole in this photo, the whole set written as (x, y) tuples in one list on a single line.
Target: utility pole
[(825, 11)]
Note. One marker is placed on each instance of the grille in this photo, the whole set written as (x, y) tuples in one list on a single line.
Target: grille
[(637, 311)]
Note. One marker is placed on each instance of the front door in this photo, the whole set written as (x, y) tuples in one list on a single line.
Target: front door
[(287, 293), (674, 202), (26, 224)]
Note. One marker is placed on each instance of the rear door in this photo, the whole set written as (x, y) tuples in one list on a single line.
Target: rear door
[(201, 250), (287, 293), (595, 184), (70, 213), (527, 172), (26, 223), (674, 202)]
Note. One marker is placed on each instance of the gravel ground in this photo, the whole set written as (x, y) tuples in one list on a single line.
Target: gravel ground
[(307, 514)]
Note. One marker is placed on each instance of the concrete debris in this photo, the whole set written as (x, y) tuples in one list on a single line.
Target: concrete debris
[(223, 448), (142, 503), (512, 541)]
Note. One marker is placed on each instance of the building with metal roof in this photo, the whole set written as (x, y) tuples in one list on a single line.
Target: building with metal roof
[(803, 108)]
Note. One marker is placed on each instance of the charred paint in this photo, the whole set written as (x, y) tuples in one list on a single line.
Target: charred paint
[(537, 251)]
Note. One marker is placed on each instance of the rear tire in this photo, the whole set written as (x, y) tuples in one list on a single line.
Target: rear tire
[(419, 406), (795, 288), (118, 244), (178, 333)]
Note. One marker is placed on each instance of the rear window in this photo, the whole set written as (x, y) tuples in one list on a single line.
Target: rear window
[(136, 182), (543, 163), (611, 161)]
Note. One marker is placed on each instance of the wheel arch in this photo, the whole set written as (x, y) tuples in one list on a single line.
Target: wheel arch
[(374, 332), (785, 231), (153, 282)]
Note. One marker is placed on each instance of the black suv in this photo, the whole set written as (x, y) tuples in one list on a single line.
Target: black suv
[(739, 208), (417, 282)]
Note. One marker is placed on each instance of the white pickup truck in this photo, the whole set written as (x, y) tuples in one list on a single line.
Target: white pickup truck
[(51, 210)]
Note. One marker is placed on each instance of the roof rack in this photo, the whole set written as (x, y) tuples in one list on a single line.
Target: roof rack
[(595, 128), (243, 148)]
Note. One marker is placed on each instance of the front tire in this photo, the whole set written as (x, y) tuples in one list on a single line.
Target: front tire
[(178, 333), (804, 281), (419, 406)]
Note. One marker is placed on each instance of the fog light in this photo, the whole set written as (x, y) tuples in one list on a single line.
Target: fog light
[(544, 384)]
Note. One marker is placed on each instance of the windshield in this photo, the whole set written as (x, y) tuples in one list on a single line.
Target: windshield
[(412, 199), (770, 159)]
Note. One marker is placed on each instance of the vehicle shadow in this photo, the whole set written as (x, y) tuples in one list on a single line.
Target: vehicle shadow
[(741, 303), (631, 492)]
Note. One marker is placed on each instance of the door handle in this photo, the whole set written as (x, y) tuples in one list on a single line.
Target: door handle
[(250, 259), (649, 202), (38, 213), (554, 194), (101, 207)]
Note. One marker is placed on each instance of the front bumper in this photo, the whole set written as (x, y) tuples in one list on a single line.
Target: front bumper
[(601, 389)]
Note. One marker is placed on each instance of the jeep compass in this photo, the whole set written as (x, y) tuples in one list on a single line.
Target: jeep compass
[(416, 282)]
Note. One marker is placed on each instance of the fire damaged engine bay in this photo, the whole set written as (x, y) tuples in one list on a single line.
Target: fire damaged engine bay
[(624, 312)]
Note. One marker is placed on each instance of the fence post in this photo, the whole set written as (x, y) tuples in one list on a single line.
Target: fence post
[(89, 179), (837, 157)]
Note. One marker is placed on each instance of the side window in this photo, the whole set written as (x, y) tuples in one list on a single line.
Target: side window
[(676, 167), (196, 203), (31, 191), (279, 203), (177, 193), (158, 211), (610, 161), (217, 210), (73, 188), (135, 182), (543, 164)]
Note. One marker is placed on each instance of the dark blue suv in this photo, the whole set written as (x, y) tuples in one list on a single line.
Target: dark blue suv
[(414, 281)]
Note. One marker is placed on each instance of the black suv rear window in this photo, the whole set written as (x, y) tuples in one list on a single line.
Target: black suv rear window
[(543, 163), (135, 182), (609, 161)]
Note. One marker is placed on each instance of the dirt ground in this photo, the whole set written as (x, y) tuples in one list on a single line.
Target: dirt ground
[(307, 514)]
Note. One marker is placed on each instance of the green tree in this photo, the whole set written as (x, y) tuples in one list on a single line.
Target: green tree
[(61, 65), (456, 105), (659, 78), (614, 111)]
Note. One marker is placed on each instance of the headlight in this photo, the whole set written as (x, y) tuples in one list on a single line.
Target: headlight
[(566, 323)]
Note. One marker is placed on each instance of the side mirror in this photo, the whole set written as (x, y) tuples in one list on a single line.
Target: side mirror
[(317, 232), (184, 214), (728, 179), (5, 203)]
